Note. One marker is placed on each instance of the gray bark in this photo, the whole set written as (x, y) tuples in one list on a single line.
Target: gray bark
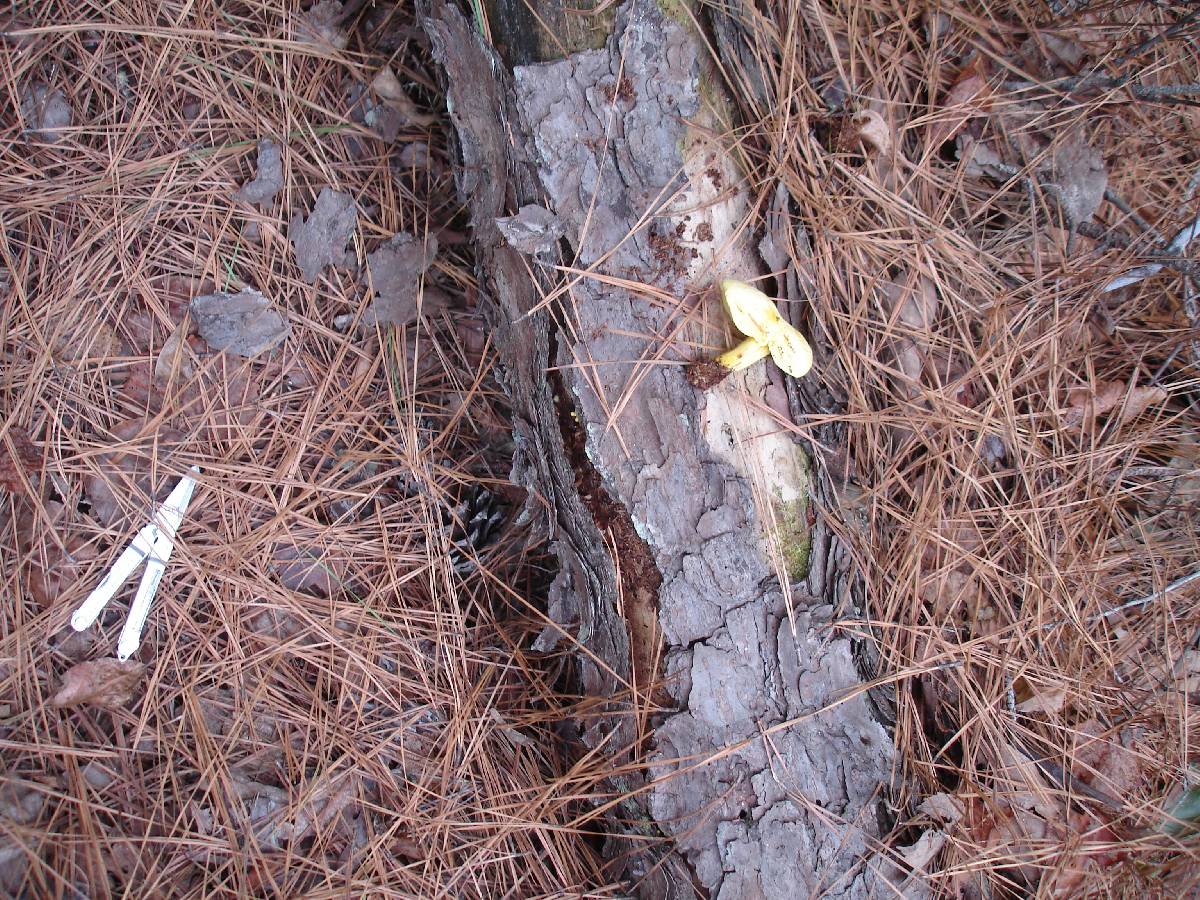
[(771, 771)]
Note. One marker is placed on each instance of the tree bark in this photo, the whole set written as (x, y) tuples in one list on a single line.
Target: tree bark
[(679, 517)]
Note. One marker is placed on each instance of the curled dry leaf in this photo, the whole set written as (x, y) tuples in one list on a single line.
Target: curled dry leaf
[(18, 455), (321, 25), (174, 357), (870, 128), (928, 845), (968, 97), (108, 683), (320, 240), (244, 324), (21, 802), (1085, 404), (46, 112), (914, 303), (53, 564), (127, 472), (269, 179), (1078, 171), (1049, 700), (387, 86), (303, 568)]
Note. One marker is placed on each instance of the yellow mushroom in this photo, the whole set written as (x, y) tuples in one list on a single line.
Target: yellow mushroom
[(754, 314)]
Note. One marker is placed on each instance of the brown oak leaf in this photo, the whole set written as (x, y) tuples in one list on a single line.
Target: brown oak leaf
[(1129, 402), (108, 683), (18, 453)]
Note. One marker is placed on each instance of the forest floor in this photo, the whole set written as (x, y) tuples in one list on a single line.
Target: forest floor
[(335, 689)]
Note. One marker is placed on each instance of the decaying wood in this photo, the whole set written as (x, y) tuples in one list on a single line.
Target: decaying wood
[(769, 771)]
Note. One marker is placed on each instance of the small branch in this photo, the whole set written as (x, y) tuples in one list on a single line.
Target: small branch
[(1192, 312), (1147, 600), (1161, 258), (1180, 26), (1119, 202), (1185, 94)]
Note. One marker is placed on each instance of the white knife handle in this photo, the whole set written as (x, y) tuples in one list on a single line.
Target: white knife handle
[(141, 545), (139, 609)]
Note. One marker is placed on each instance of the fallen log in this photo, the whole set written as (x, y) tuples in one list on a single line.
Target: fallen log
[(605, 208)]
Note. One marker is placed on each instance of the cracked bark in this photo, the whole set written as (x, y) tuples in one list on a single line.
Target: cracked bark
[(614, 141)]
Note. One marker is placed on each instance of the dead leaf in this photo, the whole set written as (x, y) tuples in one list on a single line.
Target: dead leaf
[(968, 97), (396, 269), (943, 807), (1084, 404), (50, 568), (873, 131), (387, 86), (244, 324), (269, 179), (18, 454), (278, 822), (79, 335), (980, 160), (14, 866), (914, 303), (1078, 171), (1049, 700), (46, 112), (21, 802), (920, 854), (174, 358), (534, 229), (1068, 52), (302, 568), (107, 683), (320, 25), (1105, 760), (320, 240), (127, 470)]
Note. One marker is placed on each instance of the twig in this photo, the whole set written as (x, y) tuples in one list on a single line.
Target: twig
[(1119, 202), (1176, 28), (1193, 314), (1147, 600), (1160, 93), (1162, 258)]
